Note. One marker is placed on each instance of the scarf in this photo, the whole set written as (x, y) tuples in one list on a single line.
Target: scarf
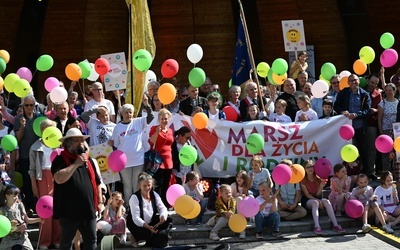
[(66, 155)]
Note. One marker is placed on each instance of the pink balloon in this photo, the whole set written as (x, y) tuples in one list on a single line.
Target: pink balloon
[(44, 207), (323, 168), (169, 68), (384, 143), (174, 192), (248, 207), (354, 208), (281, 174), (25, 73), (51, 83), (55, 152), (346, 131), (117, 160), (389, 58)]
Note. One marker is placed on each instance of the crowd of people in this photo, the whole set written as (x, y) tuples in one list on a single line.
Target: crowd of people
[(74, 180)]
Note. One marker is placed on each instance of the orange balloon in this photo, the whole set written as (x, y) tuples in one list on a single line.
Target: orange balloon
[(1, 83), (73, 72), (396, 144), (166, 93), (195, 212), (359, 67), (200, 120), (237, 223), (184, 205), (344, 82), (279, 79), (298, 173), (5, 55)]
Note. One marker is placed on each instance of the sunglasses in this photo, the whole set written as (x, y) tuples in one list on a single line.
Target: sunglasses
[(335, 82), (29, 105), (184, 95)]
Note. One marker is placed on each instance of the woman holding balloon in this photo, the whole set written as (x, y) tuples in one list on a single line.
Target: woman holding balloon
[(42, 184), (127, 137), (161, 138)]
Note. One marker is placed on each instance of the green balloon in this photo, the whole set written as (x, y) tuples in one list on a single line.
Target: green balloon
[(22, 88), (197, 77), (263, 69), (280, 66), (44, 63), (9, 142), (255, 143), (85, 68), (17, 180), (363, 82), (270, 79), (5, 226), (3, 65), (349, 153), (386, 40), (142, 59), (328, 70), (367, 54), (51, 137), (36, 125), (187, 155), (9, 81), (230, 83)]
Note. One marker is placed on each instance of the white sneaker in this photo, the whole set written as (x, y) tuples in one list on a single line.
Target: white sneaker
[(366, 228), (387, 229), (122, 239), (214, 236), (242, 235)]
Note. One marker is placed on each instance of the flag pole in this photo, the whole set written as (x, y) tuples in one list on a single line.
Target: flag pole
[(250, 51)]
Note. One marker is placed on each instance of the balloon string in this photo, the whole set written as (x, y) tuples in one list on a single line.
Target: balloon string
[(34, 73), (40, 232)]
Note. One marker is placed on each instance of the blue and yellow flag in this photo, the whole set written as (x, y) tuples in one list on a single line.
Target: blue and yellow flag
[(241, 63), (140, 37)]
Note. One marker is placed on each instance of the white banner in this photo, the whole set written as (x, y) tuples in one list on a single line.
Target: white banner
[(222, 147)]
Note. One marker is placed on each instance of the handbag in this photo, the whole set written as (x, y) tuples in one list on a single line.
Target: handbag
[(152, 161)]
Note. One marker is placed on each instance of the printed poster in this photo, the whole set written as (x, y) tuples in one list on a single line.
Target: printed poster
[(293, 35), (100, 153), (116, 77)]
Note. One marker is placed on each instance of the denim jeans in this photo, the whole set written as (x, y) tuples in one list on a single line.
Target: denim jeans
[(272, 220), (87, 228), (203, 205)]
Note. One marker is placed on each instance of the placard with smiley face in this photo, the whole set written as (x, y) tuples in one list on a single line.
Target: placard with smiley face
[(100, 153), (293, 35)]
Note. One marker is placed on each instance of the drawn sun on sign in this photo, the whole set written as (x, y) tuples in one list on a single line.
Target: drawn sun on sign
[(293, 35)]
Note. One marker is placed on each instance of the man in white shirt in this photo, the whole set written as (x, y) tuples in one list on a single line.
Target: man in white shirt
[(99, 100)]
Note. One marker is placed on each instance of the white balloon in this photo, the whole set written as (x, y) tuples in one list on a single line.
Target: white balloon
[(344, 73), (150, 76), (320, 89), (194, 53), (93, 74), (58, 95)]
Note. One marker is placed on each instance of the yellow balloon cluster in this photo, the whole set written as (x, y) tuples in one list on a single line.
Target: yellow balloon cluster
[(186, 207)]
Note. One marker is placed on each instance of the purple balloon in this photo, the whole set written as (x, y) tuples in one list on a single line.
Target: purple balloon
[(117, 160), (51, 83), (323, 168), (248, 207), (25, 73), (384, 144), (389, 58)]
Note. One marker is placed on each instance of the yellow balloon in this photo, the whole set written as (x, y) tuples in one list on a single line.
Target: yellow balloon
[(396, 144), (279, 79), (237, 223), (184, 205), (5, 55), (1, 83), (195, 212)]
